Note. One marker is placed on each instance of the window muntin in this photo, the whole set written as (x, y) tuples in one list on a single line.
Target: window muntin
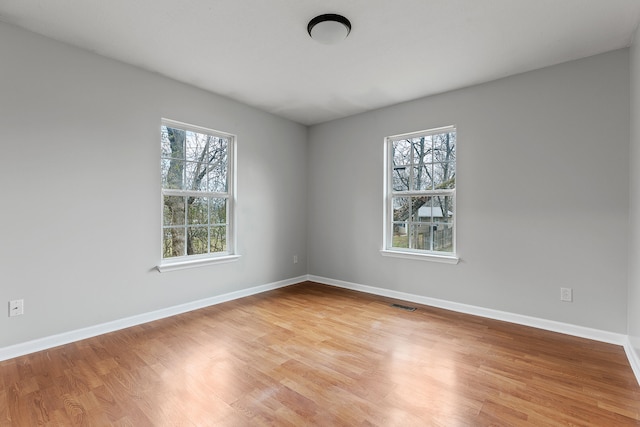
[(420, 192), (197, 192)]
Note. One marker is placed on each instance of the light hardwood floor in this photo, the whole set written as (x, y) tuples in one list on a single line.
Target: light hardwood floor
[(311, 354)]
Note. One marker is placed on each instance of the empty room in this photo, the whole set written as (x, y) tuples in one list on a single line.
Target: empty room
[(320, 213)]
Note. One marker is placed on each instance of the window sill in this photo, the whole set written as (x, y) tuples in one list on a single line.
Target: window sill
[(192, 263), (447, 259)]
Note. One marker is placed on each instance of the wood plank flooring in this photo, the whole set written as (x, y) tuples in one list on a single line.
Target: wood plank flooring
[(311, 354)]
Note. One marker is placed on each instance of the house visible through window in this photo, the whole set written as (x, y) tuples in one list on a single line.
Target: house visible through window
[(197, 192), (420, 193)]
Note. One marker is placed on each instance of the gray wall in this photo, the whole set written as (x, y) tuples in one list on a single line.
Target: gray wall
[(634, 203), (542, 194), (80, 172)]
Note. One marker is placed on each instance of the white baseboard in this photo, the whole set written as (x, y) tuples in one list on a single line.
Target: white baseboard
[(67, 337), (634, 360), (549, 325)]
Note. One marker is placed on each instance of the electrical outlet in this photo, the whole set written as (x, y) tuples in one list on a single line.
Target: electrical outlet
[(295, 259), (16, 307), (566, 294)]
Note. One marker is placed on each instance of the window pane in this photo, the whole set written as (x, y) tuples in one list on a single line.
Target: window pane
[(164, 142), (218, 239), (218, 164), (218, 145), (401, 208), (198, 211), (217, 176), (218, 149), (164, 171), (444, 175), (442, 210), (425, 212), (420, 235), (418, 202), (443, 237), (444, 147), (401, 152), (422, 150), (197, 240), (196, 147), (408, 208), (400, 235), (217, 211), (401, 178), (196, 176), (173, 242), (172, 142), (173, 210), (172, 174), (422, 177)]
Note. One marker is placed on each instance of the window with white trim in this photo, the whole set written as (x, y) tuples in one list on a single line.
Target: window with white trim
[(197, 192), (420, 193)]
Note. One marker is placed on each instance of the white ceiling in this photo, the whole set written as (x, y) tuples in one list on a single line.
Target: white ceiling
[(258, 51)]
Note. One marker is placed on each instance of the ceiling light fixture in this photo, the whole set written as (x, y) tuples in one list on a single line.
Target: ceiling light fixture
[(329, 28)]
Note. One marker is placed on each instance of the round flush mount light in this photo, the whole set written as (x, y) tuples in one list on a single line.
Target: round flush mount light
[(329, 28)]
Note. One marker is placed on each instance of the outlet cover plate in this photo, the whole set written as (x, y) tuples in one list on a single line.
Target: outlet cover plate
[(566, 294), (16, 307)]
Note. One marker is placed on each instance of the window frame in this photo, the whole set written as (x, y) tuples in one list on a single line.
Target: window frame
[(197, 260), (389, 193)]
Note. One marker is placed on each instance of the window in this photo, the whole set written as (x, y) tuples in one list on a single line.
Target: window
[(420, 194), (197, 193)]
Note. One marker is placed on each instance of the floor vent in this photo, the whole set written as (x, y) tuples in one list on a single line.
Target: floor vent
[(403, 307)]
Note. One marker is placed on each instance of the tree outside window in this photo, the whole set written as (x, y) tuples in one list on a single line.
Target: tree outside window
[(421, 191), (196, 191)]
